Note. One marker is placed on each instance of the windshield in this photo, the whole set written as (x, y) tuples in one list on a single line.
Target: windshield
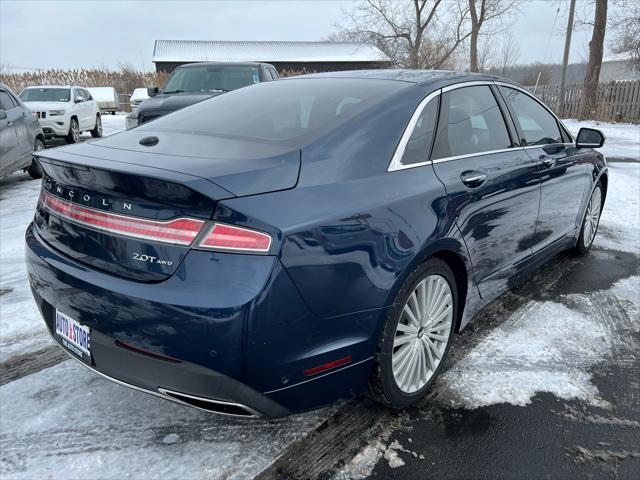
[(208, 78), (46, 95), (281, 111)]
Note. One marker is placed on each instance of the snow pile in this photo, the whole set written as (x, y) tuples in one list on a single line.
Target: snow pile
[(544, 347)]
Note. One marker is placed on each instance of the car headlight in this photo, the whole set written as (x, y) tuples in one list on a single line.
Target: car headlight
[(55, 113), (131, 120)]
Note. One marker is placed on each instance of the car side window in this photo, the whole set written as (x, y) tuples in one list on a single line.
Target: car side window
[(274, 73), (536, 125), (78, 95), (6, 102), (87, 95), (470, 122), (419, 144), (267, 74)]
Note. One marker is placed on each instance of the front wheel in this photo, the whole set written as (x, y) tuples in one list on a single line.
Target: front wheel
[(74, 131), (416, 336), (590, 222), (97, 130)]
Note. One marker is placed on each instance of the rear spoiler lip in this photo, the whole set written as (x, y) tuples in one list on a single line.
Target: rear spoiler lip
[(201, 185)]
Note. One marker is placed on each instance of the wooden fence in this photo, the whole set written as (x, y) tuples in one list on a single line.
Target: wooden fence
[(616, 101)]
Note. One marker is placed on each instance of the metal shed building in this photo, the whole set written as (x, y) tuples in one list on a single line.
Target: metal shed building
[(294, 56)]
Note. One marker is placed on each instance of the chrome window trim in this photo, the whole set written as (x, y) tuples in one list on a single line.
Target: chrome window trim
[(477, 154), (475, 83), (396, 160)]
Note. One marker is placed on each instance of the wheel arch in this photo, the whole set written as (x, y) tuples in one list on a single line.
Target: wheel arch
[(453, 253)]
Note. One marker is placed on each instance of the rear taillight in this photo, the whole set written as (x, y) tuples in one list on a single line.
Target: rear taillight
[(181, 231), (230, 238)]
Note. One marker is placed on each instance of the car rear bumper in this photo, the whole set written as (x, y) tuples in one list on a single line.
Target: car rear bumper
[(242, 337), (182, 382)]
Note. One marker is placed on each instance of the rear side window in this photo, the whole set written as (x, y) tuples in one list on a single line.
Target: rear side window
[(536, 125), (470, 122), (419, 144), (281, 111), (6, 102)]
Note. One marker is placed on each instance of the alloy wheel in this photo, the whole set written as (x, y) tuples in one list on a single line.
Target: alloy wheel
[(592, 217), (75, 131), (422, 333), (99, 126)]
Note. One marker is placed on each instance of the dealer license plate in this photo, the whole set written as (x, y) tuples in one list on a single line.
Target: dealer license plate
[(73, 336)]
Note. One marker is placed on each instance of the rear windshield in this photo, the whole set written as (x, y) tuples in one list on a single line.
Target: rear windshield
[(281, 111), (211, 78), (46, 95)]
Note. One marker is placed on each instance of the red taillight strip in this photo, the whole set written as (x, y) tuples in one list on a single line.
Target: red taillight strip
[(238, 239), (181, 231)]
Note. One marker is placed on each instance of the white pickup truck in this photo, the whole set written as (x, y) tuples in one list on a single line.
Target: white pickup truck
[(64, 111)]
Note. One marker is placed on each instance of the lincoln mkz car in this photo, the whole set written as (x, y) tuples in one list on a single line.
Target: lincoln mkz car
[(279, 247)]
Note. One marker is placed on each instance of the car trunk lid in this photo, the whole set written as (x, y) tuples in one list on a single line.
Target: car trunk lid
[(116, 209)]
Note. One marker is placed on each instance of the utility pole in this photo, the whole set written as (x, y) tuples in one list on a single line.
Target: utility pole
[(565, 58)]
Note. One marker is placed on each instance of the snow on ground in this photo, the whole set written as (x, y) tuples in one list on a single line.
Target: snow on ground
[(620, 222), (543, 347), (621, 139), (70, 423)]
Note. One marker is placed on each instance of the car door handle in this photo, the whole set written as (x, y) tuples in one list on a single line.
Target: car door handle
[(548, 162), (473, 178)]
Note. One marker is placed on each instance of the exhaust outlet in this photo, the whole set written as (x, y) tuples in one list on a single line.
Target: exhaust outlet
[(210, 405)]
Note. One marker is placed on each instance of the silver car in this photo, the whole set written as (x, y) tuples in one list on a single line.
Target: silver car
[(20, 135)]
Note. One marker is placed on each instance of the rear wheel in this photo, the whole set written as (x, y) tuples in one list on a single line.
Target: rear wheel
[(416, 336), (97, 130), (74, 131), (35, 170), (590, 222)]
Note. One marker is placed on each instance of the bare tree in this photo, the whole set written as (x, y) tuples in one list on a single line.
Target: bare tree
[(509, 54), (413, 33), (483, 13), (626, 31), (596, 50)]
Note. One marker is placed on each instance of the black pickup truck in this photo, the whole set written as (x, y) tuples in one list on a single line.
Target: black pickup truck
[(194, 82)]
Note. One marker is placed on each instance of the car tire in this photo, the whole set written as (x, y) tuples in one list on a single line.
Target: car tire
[(591, 221), (35, 170), (97, 130), (74, 132), (403, 344)]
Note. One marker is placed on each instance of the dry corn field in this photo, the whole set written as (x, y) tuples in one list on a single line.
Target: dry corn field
[(124, 80)]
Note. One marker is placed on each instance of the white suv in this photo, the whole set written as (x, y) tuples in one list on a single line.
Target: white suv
[(64, 111)]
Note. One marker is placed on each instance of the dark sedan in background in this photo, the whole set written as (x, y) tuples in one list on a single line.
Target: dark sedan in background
[(20, 135), (282, 246), (195, 82)]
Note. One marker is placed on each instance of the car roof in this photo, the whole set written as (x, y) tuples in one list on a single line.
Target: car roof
[(410, 76), (53, 86), (223, 64)]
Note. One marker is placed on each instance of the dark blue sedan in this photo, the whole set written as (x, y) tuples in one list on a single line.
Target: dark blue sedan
[(285, 245)]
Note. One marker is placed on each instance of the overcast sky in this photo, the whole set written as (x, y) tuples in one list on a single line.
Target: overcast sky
[(76, 34)]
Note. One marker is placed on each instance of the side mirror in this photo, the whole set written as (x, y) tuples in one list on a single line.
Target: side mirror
[(589, 138), (153, 91), (3, 114), (78, 100)]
